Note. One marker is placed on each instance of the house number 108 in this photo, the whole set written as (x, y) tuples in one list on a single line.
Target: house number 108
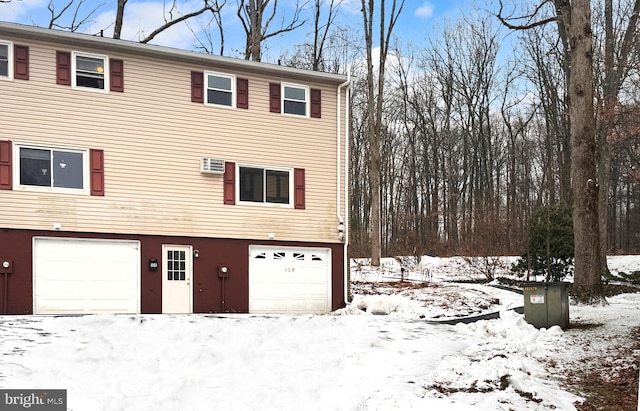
[(289, 269)]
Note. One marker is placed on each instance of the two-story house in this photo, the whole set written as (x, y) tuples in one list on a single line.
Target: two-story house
[(143, 179)]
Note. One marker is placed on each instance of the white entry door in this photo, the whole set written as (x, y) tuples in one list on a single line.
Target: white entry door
[(177, 281)]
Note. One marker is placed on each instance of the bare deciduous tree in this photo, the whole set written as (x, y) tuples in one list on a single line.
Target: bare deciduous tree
[(77, 21), (207, 6), (618, 46), (321, 31), (375, 95), (256, 21), (329, 47), (573, 21), (448, 188), (80, 16), (207, 44)]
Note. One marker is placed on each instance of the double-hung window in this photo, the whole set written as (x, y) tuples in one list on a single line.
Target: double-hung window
[(295, 99), (220, 89), (56, 169), (89, 71), (6, 60), (265, 185)]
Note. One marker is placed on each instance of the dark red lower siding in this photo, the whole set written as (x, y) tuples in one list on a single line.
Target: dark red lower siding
[(17, 245)]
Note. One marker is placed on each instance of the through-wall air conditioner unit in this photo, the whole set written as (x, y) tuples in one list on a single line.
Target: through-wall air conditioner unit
[(212, 166)]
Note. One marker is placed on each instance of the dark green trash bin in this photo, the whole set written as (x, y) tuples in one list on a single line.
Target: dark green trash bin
[(546, 304)]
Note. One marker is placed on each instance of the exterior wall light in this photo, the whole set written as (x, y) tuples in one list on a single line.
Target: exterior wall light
[(153, 264), (341, 230), (6, 267)]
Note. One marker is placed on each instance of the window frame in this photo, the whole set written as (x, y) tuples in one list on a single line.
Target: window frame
[(10, 61), (264, 202), (86, 182), (307, 101), (233, 90), (105, 73)]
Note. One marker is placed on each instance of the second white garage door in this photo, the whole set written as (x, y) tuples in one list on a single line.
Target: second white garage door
[(81, 276), (289, 279)]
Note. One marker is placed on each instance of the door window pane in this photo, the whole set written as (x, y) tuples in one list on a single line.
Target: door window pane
[(176, 265)]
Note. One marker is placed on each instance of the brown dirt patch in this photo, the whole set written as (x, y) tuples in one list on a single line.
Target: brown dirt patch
[(610, 383)]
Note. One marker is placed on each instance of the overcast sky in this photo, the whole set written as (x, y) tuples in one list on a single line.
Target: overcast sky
[(141, 17)]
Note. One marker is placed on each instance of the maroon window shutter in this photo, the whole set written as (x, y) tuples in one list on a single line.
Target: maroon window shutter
[(197, 87), (116, 75), (21, 62), (242, 89), (63, 68), (274, 97), (96, 163), (6, 181), (298, 188), (229, 183), (316, 103)]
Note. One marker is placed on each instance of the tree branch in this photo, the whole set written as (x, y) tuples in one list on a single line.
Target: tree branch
[(75, 24), (171, 23), (505, 20)]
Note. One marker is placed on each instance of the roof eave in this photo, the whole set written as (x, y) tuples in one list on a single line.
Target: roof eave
[(199, 59)]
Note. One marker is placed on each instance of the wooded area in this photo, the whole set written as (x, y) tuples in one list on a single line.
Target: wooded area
[(476, 138)]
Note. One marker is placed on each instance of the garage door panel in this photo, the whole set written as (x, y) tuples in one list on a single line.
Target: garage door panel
[(98, 289), (289, 279), (86, 276)]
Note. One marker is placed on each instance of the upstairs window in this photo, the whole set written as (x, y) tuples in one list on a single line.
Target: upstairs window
[(220, 89), (262, 185), (89, 71), (52, 168), (295, 100), (5, 60)]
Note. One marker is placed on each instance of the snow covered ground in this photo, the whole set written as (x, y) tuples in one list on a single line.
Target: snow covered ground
[(379, 353)]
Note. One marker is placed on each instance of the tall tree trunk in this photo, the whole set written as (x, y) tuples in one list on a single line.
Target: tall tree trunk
[(374, 111), (117, 28), (587, 282), (374, 138)]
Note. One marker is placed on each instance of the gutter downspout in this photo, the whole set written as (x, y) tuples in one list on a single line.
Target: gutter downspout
[(343, 229)]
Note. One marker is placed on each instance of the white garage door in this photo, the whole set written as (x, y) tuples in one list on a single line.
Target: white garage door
[(289, 279), (79, 276)]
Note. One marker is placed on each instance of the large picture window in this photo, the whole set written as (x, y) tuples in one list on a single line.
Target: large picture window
[(89, 71), (5, 59), (53, 168), (262, 185)]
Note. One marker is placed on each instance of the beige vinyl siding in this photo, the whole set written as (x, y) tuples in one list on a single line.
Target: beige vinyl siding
[(153, 139)]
